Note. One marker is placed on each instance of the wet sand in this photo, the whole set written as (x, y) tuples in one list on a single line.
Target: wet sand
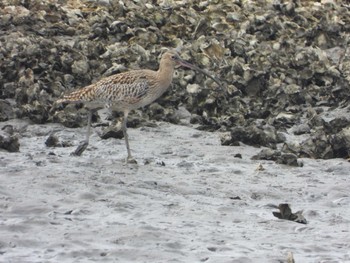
[(188, 199)]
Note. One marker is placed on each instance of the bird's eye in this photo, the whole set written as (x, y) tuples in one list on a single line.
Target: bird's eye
[(173, 57)]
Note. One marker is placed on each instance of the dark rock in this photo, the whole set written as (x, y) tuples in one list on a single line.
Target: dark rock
[(340, 143), (286, 213), (301, 129), (36, 112), (226, 140), (159, 112), (80, 67), (9, 142), (255, 136), (336, 125), (8, 129), (267, 154), (111, 132), (6, 110), (8, 90), (72, 117), (51, 141), (156, 109), (135, 121), (285, 120), (196, 119), (235, 198), (288, 159), (255, 86), (212, 249), (290, 147), (238, 155), (209, 124), (277, 156), (317, 146), (160, 163)]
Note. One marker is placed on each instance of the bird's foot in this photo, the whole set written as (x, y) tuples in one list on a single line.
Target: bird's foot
[(80, 149), (130, 160)]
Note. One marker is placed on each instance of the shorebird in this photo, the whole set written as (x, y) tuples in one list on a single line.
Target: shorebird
[(128, 91)]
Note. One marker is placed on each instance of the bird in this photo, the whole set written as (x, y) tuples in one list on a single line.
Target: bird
[(128, 91)]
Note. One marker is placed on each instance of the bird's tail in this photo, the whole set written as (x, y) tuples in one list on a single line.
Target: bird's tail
[(80, 95)]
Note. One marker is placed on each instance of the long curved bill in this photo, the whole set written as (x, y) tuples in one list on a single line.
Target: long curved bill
[(186, 64)]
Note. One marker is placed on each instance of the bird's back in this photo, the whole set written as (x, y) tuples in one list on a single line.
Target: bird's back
[(131, 90)]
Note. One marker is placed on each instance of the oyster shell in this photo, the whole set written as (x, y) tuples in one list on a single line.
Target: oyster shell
[(271, 56)]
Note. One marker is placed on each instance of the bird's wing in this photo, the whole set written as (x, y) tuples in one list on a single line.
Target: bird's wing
[(125, 87)]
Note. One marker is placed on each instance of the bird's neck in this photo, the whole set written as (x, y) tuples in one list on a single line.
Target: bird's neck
[(165, 75)]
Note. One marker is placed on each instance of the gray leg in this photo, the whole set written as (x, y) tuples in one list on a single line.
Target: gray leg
[(84, 144), (129, 159), (88, 132)]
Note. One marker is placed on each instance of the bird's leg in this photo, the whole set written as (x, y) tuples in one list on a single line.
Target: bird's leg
[(84, 144), (129, 159)]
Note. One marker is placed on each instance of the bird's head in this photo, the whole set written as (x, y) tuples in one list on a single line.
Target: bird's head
[(173, 59)]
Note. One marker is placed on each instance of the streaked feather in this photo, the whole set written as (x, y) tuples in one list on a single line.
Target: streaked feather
[(124, 88)]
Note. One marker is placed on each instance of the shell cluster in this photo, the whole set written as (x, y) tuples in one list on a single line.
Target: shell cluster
[(284, 65)]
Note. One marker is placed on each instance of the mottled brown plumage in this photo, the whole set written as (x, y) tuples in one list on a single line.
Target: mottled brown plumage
[(128, 91)]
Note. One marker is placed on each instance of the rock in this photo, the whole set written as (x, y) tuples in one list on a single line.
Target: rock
[(253, 135), (285, 120), (238, 155), (36, 112), (336, 125), (267, 154), (340, 143), (317, 146), (285, 212), (6, 110), (51, 141), (300, 129), (8, 90), (111, 132), (8, 141), (80, 67), (292, 147), (156, 111), (288, 159), (72, 117), (277, 156), (227, 140)]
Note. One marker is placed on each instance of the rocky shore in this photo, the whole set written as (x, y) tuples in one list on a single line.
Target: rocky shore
[(284, 65)]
